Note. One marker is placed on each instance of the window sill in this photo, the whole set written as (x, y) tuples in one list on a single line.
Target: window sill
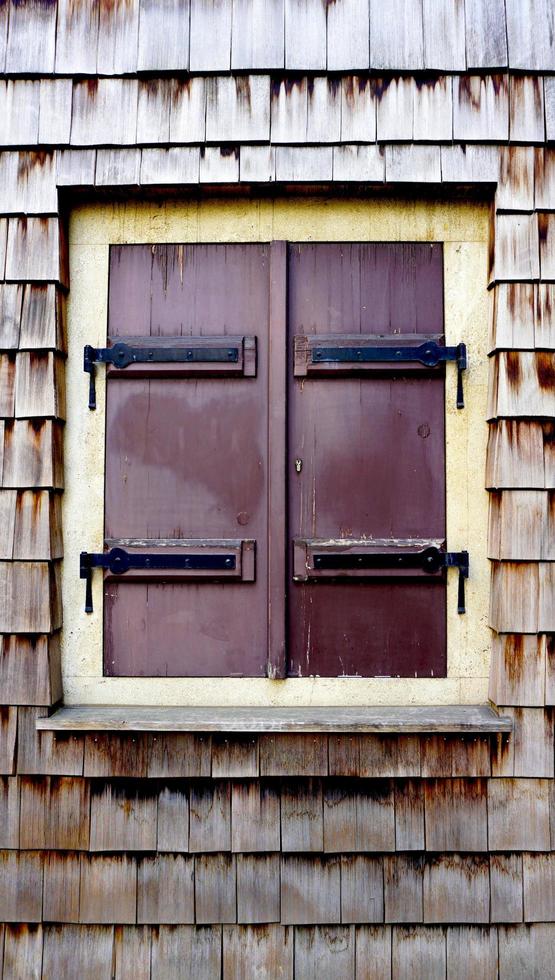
[(463, 719)]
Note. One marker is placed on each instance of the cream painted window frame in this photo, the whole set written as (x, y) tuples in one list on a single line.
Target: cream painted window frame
[(463, 228)]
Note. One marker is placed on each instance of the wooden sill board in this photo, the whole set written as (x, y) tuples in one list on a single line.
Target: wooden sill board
[(463, 719)]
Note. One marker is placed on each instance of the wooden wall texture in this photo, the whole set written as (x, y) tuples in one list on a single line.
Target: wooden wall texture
[(277, 856)]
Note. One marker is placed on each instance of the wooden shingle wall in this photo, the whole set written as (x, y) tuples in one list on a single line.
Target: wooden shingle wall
[(291, 856)]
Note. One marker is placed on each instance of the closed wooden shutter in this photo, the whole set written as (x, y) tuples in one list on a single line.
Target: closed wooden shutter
[(260, 460)]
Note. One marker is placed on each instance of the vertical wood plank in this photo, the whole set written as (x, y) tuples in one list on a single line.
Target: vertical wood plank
[(267, 951), (258, 888), (186, 951), (165, 890), (215, 888), (325, 952), (362, 889), (277, 453)]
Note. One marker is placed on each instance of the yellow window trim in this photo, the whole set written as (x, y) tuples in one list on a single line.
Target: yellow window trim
[(463, 227)]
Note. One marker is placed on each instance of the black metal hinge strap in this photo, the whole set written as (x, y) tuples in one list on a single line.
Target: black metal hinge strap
[(122, 355), (118, 562), (430, 354), (429, 560)]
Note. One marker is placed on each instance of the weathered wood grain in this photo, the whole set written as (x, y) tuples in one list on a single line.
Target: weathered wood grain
[(210, 19), (172, 829), (39, 386), (76, 37), (302, 816), (373, 953), (255, 816), (471, 952), (546, 226), (359, 817), (23, 952), (514, 597), (257, 164), (526, 109), (358, 163), (348, 35), (358, 109), (268, 951), (54, 813), (215, 888), (456, 889), (517, 455), (87, 951), (11, 297), (518, 670), (480, 108), (530, 34), (132, 953), (36, 250), (517, 255), (219, 165), (323, 110), (549, 96), (410, 163), (486, 34), (188, 110), (469, 164), (305, 35), (187, 951), (7, 385), (20, 886), (544, 178), (515, 191), (180, 754), (62, 882), (409, 815), (506, 887), (258, 888), (289, 110), (32, 455), (290, 755), (395, 109), (418, 951), (28, 183), (163, 35), (518, 815), (165, 890), (123, 817), (521, 384), (115, 755), (210, 817), (41, 753), (55, 100), (31, 39), (444, 35), (362, 889), (108, 889), (403, 882), (304, 163), (403, 48), (118, 32), (115, 168), (325, 951), (30, 600), (258, 37), (514, 316), (521, 945), (233, 757), (549, 670), (456, 815), (539, 887), (153, 110), (238, 108), (173, 165), (310, 890), (19, 108), (104, 112), (75, 168), (9, 812)]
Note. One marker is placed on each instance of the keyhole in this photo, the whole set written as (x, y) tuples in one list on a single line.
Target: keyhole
[(298, 465)]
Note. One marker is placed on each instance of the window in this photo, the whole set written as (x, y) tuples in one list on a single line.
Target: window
[(270, 476)]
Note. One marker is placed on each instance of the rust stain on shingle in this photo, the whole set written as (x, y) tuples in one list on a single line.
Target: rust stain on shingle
[(512, 363), (543, 226), (469, 93), (545, 369), (243, 90), (34, 160)]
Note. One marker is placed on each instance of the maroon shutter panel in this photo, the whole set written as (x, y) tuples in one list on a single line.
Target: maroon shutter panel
[(186, 458), (366, 460)]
